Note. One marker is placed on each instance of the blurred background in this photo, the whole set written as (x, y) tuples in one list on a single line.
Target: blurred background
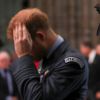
[(75, 20)]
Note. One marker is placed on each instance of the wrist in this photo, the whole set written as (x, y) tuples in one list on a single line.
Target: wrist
[(22, 55)]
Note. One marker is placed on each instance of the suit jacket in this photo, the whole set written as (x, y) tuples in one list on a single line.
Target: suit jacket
[(94, 77), (64, 76), (4, 91)]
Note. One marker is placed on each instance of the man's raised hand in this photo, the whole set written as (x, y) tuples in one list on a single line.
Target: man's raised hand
[(22, 40)]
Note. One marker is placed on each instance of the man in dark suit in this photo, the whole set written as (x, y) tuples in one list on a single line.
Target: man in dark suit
[(94, 77), (8, 88), (63, 73), (8, 91)]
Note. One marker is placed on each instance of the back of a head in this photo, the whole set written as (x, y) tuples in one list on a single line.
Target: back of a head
[(87, 43), (33, 18), (86, 47)]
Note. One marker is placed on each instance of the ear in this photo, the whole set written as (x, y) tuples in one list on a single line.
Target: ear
[(41, 35)]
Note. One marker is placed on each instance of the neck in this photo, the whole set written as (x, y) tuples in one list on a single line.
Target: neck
[(51, 38)]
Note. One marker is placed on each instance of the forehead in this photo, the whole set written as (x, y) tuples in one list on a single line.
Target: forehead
[(4, 55)]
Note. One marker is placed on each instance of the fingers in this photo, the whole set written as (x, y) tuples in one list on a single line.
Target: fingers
[(22, 40), (17, 32), (20, 33), (26, 35), (25, 32), (15, 36)]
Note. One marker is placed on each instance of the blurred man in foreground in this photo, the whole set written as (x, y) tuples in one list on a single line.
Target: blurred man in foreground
[(86, 49), (7, 86), (64, 72)]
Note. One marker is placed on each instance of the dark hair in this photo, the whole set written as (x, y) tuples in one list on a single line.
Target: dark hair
[(87, 43)]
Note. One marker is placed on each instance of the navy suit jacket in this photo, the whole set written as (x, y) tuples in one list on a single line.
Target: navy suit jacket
[(64, 76)]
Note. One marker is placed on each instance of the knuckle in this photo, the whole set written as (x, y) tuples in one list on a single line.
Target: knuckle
[(19, 41), (24, 39)]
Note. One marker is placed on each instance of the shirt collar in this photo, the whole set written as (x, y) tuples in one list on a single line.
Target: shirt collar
[(58, 41)]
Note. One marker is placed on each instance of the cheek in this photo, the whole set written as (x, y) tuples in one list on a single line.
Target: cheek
[(36, 46), (38, 50), (35, 49)]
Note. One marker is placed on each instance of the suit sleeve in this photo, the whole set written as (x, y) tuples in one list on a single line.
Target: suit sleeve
[(61, 82)]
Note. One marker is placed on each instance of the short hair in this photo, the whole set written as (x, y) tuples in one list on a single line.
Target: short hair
[(33, 18), (87, 43)]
